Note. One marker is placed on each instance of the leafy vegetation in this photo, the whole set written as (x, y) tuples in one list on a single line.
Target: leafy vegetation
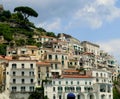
[(38, 94), (17, 30), (116, 95), (5, 15), (50, 34), (26, 11), (6, 31), (2, 49)]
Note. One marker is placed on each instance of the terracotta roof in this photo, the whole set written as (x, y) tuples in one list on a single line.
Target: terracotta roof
[(1, 57), (43, 64), (88, 53), (76, 76), (5, 57), (8, 58)]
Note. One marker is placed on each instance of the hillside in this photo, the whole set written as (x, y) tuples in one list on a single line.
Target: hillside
[(15, 30)]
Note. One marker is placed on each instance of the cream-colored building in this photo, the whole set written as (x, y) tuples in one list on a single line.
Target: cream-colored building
[(43, 72), (25, 51), (91, 47), (43, 39)]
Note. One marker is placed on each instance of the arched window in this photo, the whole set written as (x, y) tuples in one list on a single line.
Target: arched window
[(96, 74)]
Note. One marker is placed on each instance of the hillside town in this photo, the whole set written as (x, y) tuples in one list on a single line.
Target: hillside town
[(70, 69), (61, 67)]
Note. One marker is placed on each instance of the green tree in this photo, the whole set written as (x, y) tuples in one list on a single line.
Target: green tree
[(2, 49), (31, 41), (6, 31), (50, 34), (26, 11), (5, 15), (37, 94), (20, 42)]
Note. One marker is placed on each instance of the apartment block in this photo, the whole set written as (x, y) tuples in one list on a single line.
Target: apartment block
[(20, 78), (76, 85)]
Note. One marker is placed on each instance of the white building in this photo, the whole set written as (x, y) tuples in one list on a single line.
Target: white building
[(91, 47), (20, 78), (94, 84)]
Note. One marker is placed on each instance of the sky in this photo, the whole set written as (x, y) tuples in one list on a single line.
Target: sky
[(97, 21)]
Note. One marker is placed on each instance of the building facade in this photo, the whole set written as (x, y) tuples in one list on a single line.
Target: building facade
[(20, 78), (80, 85)]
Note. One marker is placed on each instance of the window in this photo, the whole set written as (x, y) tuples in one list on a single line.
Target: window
[(101, 74), (90, 83), (22, 65), (50, 56), (56, 66), (31, 65), (71, 82), (66, 82), (22, 52), (102, 88), (31, 80), (53, 88), (47, 75), (14, 89), (23, 80), (31, 88), (14, 81), (22, 73), (78, 82), (51, 66), (56, 57), (14, 66), (32, 51), (31, 73), (78, 96), (78, 88), (70, 63), (60, 97), (85, 83), (60, 89), (75, 63), (60, 82), (22, 89), (62, 62), (53, 82), (96, 74), (54, 97), (62, 57), (7, 73), (14, 73), (38, 82), (97, 80), (38, 75)]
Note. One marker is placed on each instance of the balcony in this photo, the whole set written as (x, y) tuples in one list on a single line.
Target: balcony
[(23, 76), (30, 84), (22, 69)]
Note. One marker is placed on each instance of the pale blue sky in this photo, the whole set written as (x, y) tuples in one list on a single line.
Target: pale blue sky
[(97, 21)]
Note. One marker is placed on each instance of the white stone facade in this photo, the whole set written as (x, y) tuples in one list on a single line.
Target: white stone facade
[(82, 88), (21, 76)]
